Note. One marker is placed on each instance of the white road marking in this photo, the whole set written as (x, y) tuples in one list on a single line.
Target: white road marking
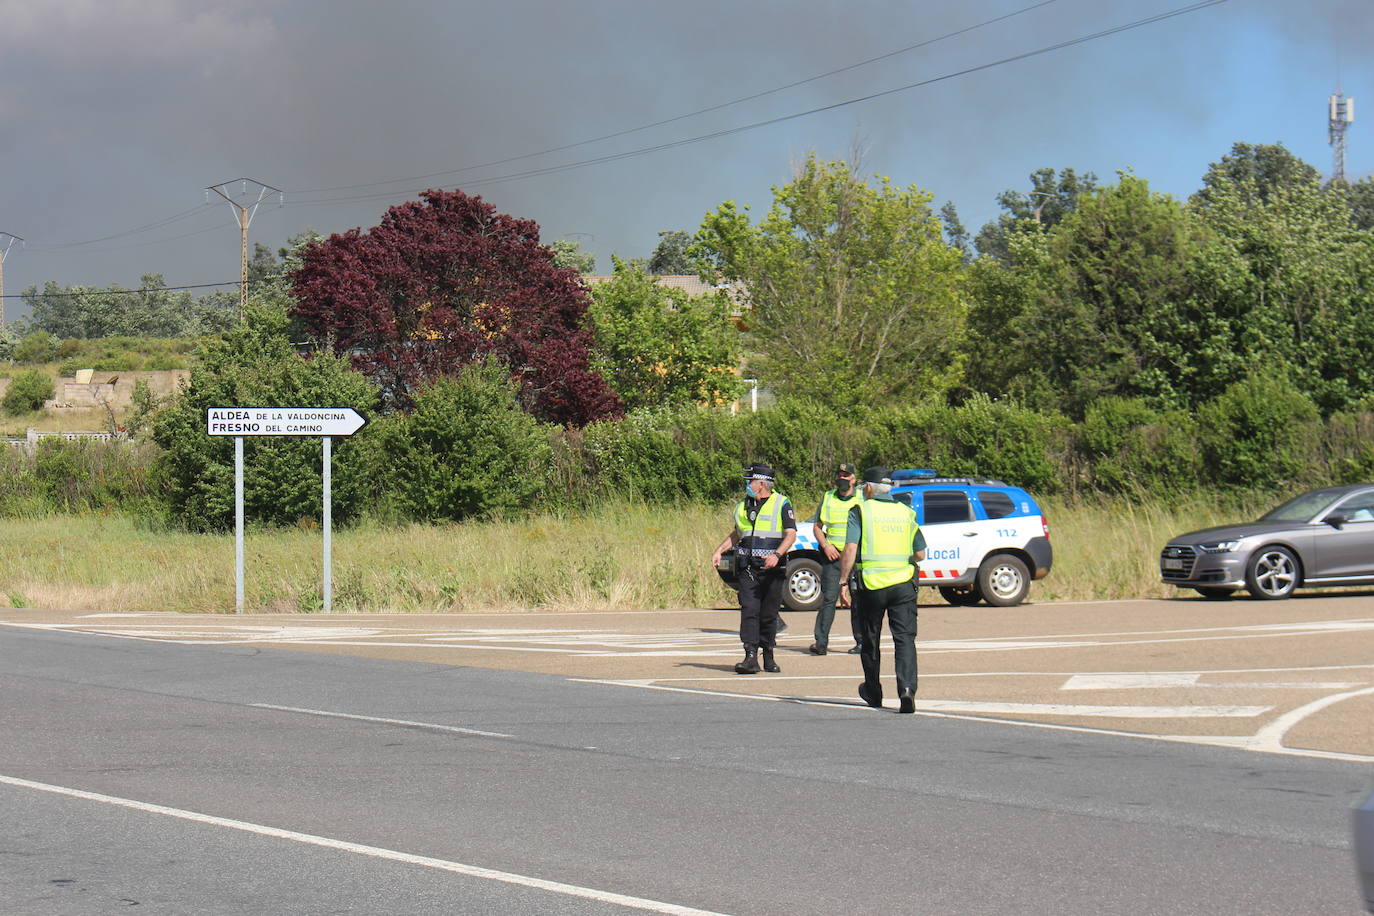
[(376, 852), (1271, 736), (1115, 712), (344, 715), (1128, 681)]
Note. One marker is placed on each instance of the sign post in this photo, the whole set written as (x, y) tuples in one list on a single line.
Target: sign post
[(325, 422)]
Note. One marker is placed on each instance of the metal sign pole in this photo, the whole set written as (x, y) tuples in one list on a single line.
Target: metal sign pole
[(238, 524), (328, 526)]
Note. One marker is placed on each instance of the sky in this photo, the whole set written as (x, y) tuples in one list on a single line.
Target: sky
[(116, 115)]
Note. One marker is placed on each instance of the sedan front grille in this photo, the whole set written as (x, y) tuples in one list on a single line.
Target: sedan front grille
[(1176, 562)]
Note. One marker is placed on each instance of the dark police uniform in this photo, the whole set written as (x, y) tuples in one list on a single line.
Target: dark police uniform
[(762, 525)]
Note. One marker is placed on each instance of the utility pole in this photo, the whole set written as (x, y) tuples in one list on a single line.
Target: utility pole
[(7, 241), (244, 213)]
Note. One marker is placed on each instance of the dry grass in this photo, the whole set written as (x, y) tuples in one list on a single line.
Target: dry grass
[(618, 558)]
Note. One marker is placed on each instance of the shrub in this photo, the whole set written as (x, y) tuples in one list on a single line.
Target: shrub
[(38, 347), (1129, 447), (466, 451), (255, 365), (27, 392), (1262, 432)]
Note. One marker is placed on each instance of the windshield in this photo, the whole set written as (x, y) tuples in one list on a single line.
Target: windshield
[(1300, 508)]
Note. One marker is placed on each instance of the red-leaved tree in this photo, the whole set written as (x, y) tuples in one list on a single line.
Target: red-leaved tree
[(444, 282)]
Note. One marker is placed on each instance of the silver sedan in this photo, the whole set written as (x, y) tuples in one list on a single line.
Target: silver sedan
[(1322, 538)]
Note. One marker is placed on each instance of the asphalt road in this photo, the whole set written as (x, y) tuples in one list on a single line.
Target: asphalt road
[(610, 763)]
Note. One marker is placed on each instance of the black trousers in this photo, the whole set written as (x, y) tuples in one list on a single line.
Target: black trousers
[(825, 614), (898, 603), (760, 594)]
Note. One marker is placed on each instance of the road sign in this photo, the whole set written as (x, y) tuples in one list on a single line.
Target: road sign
[(325, 422), (282, 421)]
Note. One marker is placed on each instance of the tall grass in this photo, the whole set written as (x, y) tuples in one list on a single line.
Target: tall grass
[(618, 557)]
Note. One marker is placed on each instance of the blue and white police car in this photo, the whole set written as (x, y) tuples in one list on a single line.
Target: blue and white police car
[(986, 541)]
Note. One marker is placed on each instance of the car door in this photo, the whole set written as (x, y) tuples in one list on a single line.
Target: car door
[(1348, 551), (953, 538)]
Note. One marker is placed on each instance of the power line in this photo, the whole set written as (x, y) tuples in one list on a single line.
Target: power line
[(690, 114), (725, 132), (111, 291)]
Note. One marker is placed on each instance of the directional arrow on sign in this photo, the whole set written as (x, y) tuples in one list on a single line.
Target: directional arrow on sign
[(283, 421)]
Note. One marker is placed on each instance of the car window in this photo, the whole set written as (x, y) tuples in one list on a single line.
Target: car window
[(996, 504), (903, 498), (945, 506), (1358, 508), (1300, 508)]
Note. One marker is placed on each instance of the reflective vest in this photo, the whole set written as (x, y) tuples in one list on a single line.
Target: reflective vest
[(764, 534), (834, 516), (885, 543)]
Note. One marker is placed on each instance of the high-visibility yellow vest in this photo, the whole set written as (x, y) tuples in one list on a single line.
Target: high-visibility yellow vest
[(766, 531), (885, 543), (834, 515)]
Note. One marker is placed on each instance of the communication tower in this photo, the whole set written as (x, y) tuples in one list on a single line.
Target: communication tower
[(1340, 115)]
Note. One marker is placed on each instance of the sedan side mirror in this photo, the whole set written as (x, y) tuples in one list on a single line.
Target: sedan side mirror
[(1336, 520)]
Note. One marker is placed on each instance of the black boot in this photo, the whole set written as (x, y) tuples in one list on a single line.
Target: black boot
[(768, 664), (907, 698), (750, 665)]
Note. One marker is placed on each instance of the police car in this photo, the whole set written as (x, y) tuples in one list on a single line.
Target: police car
[(986, 541)]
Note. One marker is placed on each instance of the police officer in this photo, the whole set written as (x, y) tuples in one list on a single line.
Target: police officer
[(883, 544), (765, 527), (832, 518)]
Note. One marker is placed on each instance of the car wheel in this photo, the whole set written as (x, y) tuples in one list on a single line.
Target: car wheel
[(802, 591), (1215, 594), (961, 595), (1271, 573), (1003, 580)]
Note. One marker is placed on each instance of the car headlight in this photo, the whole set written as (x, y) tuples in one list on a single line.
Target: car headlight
[(1219, 547)]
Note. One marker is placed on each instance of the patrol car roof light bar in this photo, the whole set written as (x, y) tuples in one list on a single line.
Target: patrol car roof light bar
[(913, 474)]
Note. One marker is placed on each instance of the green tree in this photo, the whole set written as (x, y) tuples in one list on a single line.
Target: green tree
[(657, 345), (671, 256), (27, 391), (852, 295), (1303, 301), (1360, 198), (1053, 196), (569, 255), (254, 364), (1259, 171), (1111, 301)]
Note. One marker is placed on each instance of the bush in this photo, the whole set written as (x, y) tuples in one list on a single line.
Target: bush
[(38, 347), (27, 392), (1262, 432), (1128, 447), (467, 450), (255, 365)]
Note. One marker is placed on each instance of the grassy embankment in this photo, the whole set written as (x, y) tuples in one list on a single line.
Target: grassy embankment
[(626, 557)]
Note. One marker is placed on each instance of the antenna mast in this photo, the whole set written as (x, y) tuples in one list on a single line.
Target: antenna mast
[(1340, 115)]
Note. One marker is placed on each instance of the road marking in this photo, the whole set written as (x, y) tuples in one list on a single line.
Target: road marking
[(1128, 681), (1116, 712), (376, 852), (1271, 736), (344, 715)]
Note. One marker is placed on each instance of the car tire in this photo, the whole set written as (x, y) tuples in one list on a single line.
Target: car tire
[(1003, 580), (961, 595), (1271, 573), (802, 589), (1214, 594)]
